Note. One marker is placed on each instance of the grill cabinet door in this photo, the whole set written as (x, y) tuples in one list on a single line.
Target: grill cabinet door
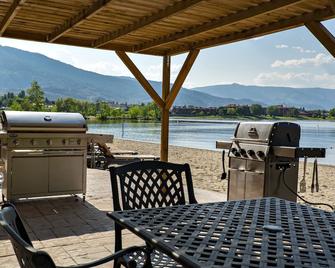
[(29, 175), (236, 187), (65, 173), (254, 185)]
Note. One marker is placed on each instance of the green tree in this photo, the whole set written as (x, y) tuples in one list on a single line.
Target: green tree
[(21, 94), (36, 96), (256, 109), (243, 110), (104, 111), (272, 111), (26, 104), (134, 112), (154, 111), (231, 111), (16, 106), (332, 112), (222, 111)]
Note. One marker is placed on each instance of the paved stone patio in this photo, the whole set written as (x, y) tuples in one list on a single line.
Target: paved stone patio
[(72, 231)]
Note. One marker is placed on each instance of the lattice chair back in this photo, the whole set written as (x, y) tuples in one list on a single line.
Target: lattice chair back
[(27, 255), (149, 184)]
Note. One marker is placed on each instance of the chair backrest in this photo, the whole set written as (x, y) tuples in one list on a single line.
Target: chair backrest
[(149, 184), (27, 255)]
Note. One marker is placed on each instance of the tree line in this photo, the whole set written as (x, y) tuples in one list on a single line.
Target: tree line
[(33, 99), (254, 110)]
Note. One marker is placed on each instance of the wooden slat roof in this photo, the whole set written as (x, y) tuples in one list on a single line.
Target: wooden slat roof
[(157, 27)]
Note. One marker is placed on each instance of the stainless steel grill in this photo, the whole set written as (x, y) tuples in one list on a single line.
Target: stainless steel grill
[(257, 153), (43, 154)]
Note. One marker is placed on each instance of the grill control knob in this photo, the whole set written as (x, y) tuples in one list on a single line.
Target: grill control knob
[(49, 142), (64, 141), (243, 152), (78, 141), (234, 151), (251, 153), (16, 142), (260, 154)]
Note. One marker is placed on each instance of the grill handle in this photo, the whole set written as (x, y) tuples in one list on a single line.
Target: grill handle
[(252, 131), (47, 118), (224, 173)]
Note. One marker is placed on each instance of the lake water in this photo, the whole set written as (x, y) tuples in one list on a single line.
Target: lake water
[(196, 134)]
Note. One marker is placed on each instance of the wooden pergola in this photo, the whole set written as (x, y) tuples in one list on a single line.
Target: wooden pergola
[(160, 27)]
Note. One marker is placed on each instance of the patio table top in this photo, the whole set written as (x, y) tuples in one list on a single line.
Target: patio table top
[(248, 233)]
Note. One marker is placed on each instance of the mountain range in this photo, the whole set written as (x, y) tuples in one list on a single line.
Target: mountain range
[(18, 68)]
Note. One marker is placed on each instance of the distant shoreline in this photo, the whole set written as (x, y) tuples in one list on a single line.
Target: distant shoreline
[(211, 119)]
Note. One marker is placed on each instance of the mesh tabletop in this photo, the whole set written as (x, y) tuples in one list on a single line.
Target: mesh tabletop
[(247, 233)]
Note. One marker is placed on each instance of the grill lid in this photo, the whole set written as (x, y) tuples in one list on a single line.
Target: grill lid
[(14, 121), (270, 133)]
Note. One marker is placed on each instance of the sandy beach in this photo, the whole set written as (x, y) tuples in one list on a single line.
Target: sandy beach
[(206, 167)]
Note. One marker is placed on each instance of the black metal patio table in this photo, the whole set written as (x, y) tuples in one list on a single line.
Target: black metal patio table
[(248, 233)]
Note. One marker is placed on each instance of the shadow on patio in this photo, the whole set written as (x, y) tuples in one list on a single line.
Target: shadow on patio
[(71, 231)]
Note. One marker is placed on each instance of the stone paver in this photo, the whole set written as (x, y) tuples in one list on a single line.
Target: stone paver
[(72, 231)]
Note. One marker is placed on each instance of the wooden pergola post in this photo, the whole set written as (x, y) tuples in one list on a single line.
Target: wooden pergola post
[(168, 97), (165, 110)]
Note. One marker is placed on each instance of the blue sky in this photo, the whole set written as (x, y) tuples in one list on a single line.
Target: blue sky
[(291, 58)]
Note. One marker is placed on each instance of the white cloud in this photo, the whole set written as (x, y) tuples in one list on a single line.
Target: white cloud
[(106, 68), (292, 79), (282, 46), (299, 48), (318, 60), (302, 50)]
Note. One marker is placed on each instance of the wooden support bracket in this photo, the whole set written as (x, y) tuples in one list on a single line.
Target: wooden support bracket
[(185, 69), (140, 78), (323, 35)]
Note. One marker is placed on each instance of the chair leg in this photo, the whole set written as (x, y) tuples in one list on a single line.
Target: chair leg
[(118, 243), (117, 264), (148, 263)]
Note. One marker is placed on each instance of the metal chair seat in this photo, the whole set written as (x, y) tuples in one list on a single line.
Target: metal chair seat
[(158, 259)]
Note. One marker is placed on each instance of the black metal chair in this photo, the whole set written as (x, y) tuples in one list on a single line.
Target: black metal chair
[(149, 184), (28, 256)]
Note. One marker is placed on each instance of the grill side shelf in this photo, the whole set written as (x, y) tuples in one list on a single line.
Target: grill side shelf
[(300, 152)]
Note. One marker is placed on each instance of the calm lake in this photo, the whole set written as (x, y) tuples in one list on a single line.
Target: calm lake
[(196, 134)]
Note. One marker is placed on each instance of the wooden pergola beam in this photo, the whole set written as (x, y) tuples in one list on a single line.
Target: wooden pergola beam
[(323, 35), (185, 69), (257, 31), (140, 78), (220, 22), (76, 20), (169, 11), (10, 15), (332, 5)]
